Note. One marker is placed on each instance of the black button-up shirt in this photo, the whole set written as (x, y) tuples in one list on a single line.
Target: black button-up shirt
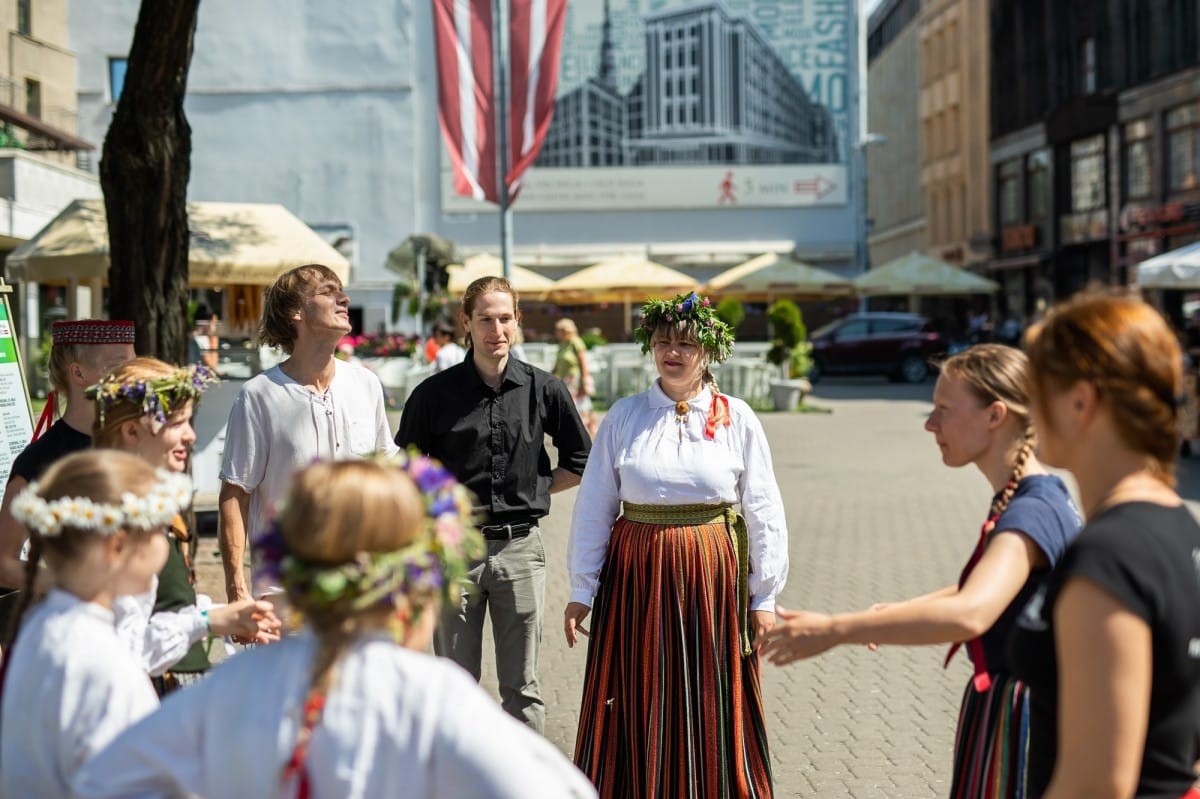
[(493, 440)]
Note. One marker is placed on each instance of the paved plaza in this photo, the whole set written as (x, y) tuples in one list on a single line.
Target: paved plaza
[(874, 516)]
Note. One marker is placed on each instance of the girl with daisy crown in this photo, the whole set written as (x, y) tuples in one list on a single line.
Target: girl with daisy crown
[(68, 685)]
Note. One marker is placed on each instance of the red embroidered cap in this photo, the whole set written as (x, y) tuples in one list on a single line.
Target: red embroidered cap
[(92, 331)]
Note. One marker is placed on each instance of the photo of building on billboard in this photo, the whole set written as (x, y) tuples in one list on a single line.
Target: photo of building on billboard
[(688, 104)]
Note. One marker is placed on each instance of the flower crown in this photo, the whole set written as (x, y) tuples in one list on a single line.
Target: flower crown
[(157, 396), (157, 508), (714, 335), (436, 563)]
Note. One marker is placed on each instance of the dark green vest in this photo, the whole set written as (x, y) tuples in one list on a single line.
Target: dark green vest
[(175, 591)]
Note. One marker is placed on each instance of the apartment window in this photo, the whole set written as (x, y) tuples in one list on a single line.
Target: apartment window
[(1087, 66), (1009, 180), (25, 17), (1087, 174), (117, 67), (1139, 168), (1038, 180), (1183, 148), (33, 98)]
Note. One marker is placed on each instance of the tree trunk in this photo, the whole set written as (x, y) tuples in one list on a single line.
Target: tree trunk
[(144, 173)]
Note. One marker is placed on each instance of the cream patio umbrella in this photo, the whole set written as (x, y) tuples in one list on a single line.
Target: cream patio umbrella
[(527, 282), (230, 244), (771, 274), (917, 274), (626, 279)]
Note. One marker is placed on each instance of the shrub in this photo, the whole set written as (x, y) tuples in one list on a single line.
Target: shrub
[(790, 349), (731, 312), (593, 339)]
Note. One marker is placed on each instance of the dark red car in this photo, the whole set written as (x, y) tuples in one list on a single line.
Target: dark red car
[(898, 345)]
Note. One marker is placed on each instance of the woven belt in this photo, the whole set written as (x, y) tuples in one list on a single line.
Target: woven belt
[(506, 532), (735, 525)]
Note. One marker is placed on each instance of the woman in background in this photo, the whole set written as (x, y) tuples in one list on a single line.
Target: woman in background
[(571, 366)]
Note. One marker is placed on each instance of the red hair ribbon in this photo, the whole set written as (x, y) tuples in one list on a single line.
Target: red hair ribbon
[(718, 415), (47, 418)]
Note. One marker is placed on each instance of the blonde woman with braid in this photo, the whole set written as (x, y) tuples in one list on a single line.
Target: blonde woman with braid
[(68, 684), (352, 706), (981, 416)]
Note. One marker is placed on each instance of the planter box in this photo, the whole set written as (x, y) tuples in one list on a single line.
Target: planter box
[(786, 394)]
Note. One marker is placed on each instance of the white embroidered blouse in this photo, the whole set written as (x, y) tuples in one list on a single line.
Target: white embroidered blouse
[(643, 455)]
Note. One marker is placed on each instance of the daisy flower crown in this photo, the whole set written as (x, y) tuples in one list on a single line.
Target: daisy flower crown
[(436, 564), (713, 334), (157, 508), (158, 397)]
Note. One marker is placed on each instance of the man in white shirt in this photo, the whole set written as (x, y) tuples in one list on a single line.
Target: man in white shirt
[(449, 353), (310, 407)]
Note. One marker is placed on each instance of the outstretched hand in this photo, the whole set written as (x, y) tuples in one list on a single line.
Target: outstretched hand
[(573, 618), (800, 634)]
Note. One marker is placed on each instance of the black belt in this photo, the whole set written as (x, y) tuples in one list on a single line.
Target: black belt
[(505, 532)]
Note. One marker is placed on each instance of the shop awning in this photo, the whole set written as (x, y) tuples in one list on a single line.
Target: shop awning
[(231, 243)]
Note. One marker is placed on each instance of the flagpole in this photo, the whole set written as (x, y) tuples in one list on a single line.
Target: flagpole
[(501, 78)]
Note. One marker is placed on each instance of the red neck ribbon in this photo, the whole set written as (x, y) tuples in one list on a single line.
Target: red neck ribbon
[(718, 415), (46, 420), (982, 679)]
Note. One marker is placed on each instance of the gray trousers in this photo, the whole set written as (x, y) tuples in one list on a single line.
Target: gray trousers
[(511, 581)]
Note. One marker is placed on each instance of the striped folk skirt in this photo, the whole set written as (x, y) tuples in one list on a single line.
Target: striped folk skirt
[(991, 746), (671, 708)]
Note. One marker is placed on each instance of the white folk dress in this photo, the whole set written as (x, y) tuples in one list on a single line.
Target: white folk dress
[(396, 723), (71, 686)]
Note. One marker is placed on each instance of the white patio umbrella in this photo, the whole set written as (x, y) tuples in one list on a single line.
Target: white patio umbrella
[(917, 274), (627, 279), (1177, 269)]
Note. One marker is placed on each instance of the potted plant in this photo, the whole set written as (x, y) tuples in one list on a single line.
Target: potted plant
[(790, 351)]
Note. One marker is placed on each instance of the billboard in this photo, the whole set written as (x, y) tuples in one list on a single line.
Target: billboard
[(695, 104)]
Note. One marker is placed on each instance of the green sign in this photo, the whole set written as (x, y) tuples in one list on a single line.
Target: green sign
[(16, 415)]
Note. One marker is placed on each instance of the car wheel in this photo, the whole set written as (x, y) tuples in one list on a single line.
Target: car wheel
[(913, 369)]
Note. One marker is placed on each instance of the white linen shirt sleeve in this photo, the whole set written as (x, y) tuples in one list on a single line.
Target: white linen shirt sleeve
[(243, 460), (762, 507), (157, 640), (597, 505)]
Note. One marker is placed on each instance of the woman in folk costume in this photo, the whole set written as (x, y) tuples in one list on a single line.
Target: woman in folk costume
[(982, 416), (352, 706), (68, 684), (81, 352), (145, 407), (682, 586)]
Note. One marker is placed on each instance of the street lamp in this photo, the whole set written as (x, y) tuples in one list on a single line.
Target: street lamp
[(862, 261)]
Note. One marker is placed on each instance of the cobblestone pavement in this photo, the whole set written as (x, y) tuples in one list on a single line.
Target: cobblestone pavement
[(874, 516)]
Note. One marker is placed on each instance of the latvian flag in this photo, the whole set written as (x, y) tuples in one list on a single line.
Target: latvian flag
[(467, 96)]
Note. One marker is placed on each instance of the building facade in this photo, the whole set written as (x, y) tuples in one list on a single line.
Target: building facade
[(1093, 148), (895, 200), (954, 121), (331, 110)]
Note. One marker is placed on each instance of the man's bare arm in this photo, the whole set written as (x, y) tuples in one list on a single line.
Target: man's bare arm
[(562, 479), (234, 507)]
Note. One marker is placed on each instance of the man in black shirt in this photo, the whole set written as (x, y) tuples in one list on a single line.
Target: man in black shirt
[(486, 419)]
